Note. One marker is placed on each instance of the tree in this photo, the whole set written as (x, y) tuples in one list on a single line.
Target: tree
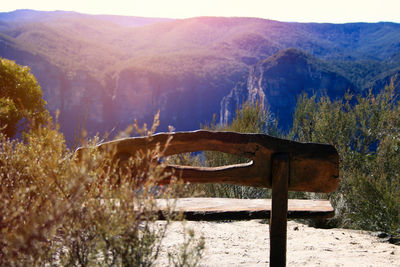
[(21, 103)]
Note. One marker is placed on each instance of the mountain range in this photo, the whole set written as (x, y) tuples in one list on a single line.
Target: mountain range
[(101, 71)]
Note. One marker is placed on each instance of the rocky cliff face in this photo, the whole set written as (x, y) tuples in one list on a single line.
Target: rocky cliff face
[(101, 75), (86, 103), (393, 77), (184, 102), (112, 103), (277, 81)]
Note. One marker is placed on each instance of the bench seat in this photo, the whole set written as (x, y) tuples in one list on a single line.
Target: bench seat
[(279, 164), (212, 209)]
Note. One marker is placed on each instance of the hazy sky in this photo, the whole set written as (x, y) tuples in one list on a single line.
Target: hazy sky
[(336, 11)]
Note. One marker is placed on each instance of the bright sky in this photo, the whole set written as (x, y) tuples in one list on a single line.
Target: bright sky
[(336, 11)]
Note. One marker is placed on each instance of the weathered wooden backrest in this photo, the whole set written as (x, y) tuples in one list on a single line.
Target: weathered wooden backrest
[(313, 167)]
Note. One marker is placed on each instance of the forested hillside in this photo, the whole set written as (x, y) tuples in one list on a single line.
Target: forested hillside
[(104, 71)]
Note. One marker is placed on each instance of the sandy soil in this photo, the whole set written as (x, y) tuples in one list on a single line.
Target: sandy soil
[(245, 243)]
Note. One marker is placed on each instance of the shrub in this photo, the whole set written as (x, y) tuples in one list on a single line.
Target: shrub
[(57, 210), (365, 131)]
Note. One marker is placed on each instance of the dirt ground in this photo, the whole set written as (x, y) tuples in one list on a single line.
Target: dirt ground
[(245, 243)]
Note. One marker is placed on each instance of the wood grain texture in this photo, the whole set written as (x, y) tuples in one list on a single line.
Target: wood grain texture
[(313, 167), (209, 209), (278, 220)]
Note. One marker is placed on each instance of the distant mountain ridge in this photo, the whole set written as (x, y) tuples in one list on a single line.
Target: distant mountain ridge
[(100, 71), (28, 15)]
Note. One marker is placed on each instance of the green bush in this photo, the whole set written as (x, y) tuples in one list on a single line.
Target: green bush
[(365, 131)]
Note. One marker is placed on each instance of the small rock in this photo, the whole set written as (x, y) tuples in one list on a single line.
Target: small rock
[(380, 234), (296, 228), (394, 240)]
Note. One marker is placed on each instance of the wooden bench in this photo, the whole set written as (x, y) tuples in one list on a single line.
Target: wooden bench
[(275, 163)]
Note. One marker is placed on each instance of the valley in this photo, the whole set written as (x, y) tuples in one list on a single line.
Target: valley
[(102, 72)]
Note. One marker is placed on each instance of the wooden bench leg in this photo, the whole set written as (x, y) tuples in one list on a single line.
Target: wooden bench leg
[(278, 218)]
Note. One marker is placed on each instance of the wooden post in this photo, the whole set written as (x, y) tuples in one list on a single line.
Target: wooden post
[(278, 219)]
